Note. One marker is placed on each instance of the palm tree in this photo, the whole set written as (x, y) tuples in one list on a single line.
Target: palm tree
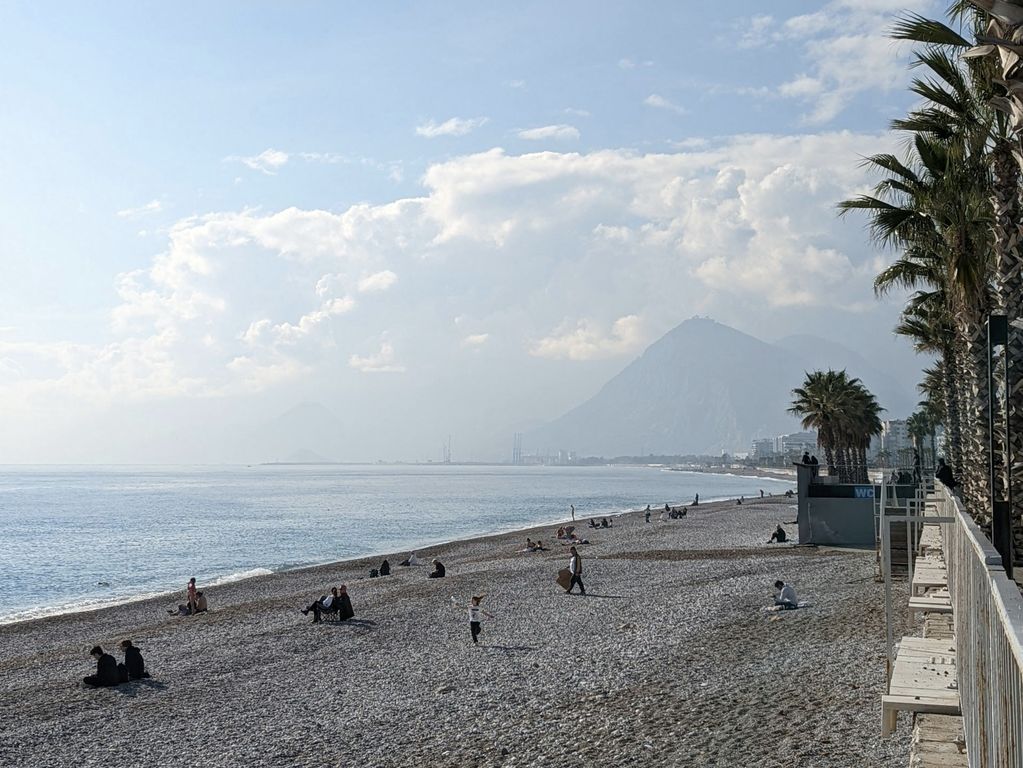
[(845, 415), (935, 208)]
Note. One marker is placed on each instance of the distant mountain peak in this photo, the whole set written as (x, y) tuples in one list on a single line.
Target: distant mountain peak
[(703, 387)]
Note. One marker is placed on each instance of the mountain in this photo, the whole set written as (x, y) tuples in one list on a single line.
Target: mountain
[(307, 432), (702, 388)]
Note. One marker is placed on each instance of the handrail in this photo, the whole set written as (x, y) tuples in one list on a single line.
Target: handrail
[(988, 610)]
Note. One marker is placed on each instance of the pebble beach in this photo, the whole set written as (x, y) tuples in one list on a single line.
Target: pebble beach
[(671, 659)]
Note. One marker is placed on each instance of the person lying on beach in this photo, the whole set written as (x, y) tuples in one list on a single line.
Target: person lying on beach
[(413, 560), (438, 570), (106, 670), (324, 603), (133, 661), (779, 535), (786, 596)]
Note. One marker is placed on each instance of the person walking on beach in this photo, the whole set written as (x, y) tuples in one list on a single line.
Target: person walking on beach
[(573, 512), (646, 515), (696, 501), (476, 614), (107, 674), (575, 567)]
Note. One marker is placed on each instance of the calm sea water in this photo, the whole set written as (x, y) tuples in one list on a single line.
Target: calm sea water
[(79, 537)]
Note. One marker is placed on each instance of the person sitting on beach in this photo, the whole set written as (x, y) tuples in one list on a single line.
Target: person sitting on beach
[(385, 568), (133, 661), (604, 523), (594, 523), (788, 494), (786, 596), (738, 501), (684, 512), (438, 570), (201, 606), (779, 535), (190, 596), (324, 603), (106, 670), (344, 604), (412, 560)]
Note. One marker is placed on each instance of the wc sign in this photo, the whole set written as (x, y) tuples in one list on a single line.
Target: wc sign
[(863, 492)]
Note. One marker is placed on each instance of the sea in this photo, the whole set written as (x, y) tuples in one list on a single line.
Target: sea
[(77, 538)]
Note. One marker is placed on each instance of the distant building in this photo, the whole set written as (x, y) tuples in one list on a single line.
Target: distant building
[(897, 443), (763, 448), (796, 443)]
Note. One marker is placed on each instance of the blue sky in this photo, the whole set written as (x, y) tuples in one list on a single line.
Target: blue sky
[(216, 212)]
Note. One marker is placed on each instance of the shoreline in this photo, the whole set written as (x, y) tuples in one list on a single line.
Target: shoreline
[(671, 659), (88, 606)]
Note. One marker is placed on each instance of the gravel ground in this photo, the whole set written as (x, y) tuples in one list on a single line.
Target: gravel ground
[(669, 660)]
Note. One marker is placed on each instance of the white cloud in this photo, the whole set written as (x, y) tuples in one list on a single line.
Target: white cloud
[(659, 102), (517, 84), (845, 46), (628, 63), (559, 132), (380, 362), (455, 126), (269, 161), (153, 206), (576, 112), (588, 341), (246, 301), (378, 281)]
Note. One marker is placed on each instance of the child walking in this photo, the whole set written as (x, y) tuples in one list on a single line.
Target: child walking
[(476, 613)]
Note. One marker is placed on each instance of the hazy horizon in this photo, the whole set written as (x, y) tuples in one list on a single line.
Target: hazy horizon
[(454, 220)]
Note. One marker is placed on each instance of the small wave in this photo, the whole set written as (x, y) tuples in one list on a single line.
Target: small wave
[(232, 577)]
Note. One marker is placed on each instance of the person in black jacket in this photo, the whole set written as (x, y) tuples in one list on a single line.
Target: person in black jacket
[(345, 611), (385, 568), (438, 570), (944, 474), (106, 669), (133, 661)]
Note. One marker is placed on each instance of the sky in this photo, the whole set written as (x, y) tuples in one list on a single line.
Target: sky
[(432, 219)]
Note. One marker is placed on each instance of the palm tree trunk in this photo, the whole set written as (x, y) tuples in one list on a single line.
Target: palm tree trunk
[(977, 434), (1008, 231), (953, 410)]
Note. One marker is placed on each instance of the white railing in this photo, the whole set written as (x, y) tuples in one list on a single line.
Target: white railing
[(988, 610)]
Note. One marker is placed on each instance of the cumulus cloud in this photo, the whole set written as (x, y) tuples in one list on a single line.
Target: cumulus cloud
[(454, 126), (588, 341), (559, 132), (380, 362), (378, 281), (659, 102), (153, 206), (244, 301)]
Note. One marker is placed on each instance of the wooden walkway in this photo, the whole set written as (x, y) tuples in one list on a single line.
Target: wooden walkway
[(923, 676)]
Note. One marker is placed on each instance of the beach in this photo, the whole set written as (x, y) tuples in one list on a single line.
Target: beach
[(670, 659)]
